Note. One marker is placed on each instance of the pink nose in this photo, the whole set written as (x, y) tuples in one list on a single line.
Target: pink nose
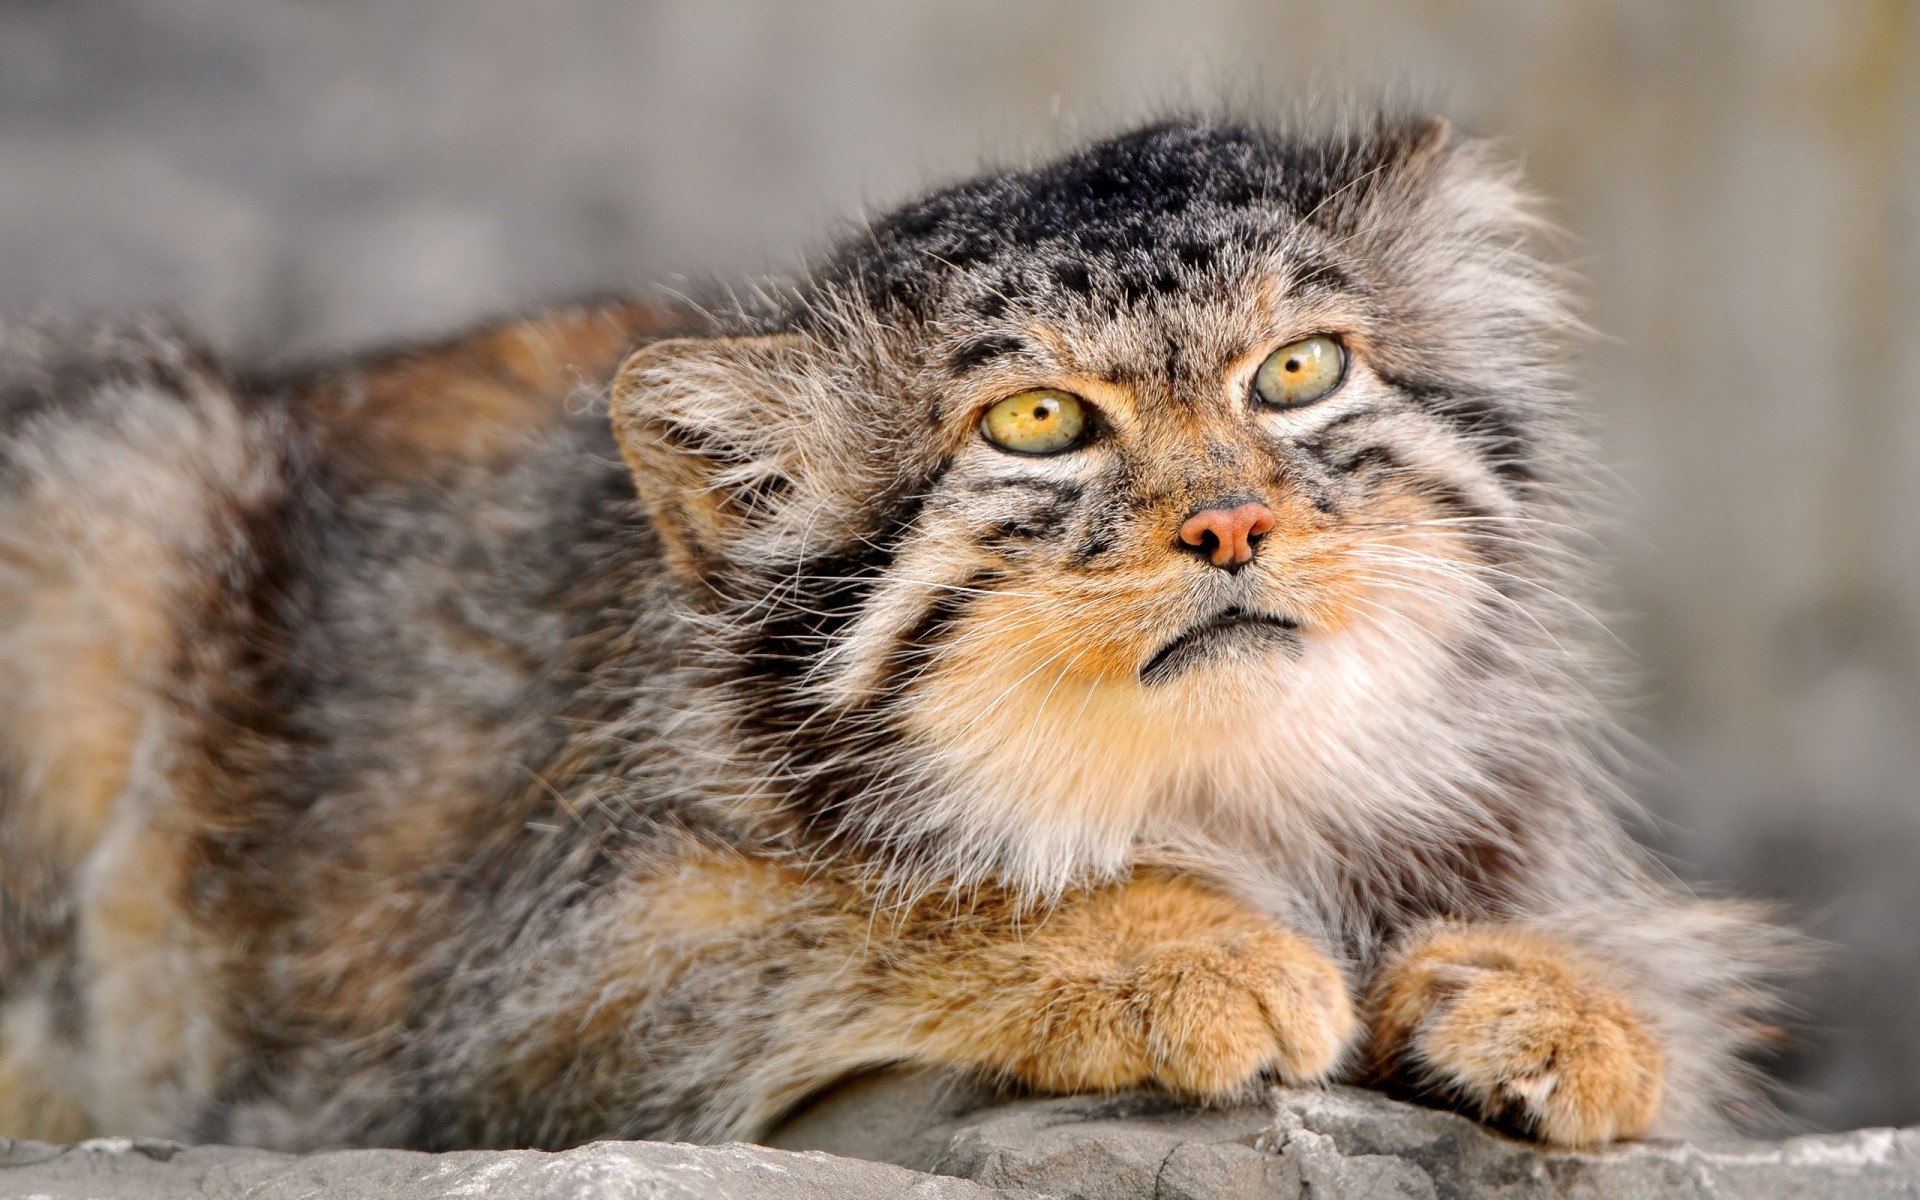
[(1226, 535)]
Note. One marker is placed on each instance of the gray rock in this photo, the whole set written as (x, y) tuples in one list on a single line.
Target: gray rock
[(1326, 1144), (120, 1169), (940, 1138)]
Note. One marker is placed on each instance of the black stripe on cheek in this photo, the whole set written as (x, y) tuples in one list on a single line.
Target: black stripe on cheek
[(1046, 519), (1378, 459), (1042, 523), (1497, 435), (1498, 432), (918, 645), (1317, 446), (830, 592), (1476, 531), (784, 644), (1375, 459), (1450, 499)]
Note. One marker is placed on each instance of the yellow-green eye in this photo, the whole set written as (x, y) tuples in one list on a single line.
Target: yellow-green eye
[(1301, 373), (1042, 421)]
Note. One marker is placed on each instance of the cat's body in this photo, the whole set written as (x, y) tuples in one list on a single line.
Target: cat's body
[(377, 770)]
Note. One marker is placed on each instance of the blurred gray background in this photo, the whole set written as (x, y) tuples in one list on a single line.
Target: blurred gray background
[(1740, 181)]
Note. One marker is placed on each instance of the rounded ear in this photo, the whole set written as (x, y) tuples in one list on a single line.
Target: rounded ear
[(1427, 137), (1416, 148), (706, 425)]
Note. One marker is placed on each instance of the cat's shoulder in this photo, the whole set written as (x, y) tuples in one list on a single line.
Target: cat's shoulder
[(470, 398)]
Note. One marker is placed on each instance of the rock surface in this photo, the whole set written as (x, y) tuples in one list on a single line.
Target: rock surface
[(120, 1169), (937, 1138), (1311, 1144)]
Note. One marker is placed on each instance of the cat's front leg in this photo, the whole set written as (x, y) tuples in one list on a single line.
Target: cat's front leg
[(1156, 981), (715, 993), (1518, 1027)]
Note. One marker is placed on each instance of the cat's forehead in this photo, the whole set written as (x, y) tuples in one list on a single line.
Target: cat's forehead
[(1189, 339), (1164, 253), (1126, 226)]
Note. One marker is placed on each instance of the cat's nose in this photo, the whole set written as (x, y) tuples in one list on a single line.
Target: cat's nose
[(1226, 537)]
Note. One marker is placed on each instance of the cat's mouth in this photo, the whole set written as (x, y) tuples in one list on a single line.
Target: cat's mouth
[(1230, 633)]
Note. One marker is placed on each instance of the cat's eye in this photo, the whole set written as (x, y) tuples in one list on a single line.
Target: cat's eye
[(1299, 374), (1043, 421)]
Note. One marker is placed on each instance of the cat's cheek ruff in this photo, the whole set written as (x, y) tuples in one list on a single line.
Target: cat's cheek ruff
[(932, 581), (995, 761), (1072, 776)]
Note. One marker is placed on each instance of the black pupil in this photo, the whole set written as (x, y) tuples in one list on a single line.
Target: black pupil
[(1042, 411), (1293, 364)]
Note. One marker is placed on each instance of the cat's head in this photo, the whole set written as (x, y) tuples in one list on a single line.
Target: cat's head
[(1191, 478)]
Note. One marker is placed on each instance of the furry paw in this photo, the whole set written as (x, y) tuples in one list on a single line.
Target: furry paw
[(1166, 983), (1519, 1029), (1217, 1014)]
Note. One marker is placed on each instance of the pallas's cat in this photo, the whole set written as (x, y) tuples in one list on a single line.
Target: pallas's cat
[(1111, 624)]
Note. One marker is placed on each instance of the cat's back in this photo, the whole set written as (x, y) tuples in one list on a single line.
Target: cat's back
[(372, 554)]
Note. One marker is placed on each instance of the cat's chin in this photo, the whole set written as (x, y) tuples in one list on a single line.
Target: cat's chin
[(1232, 637)]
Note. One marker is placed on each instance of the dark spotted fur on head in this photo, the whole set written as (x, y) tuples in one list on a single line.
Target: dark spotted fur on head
[(832, 435), (444, 795)]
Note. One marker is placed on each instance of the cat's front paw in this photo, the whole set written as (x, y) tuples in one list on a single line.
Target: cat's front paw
[(1519, 1029), (1218, 1015), (1173, 985)]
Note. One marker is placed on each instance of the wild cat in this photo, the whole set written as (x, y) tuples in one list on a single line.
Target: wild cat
[(1111, 624)]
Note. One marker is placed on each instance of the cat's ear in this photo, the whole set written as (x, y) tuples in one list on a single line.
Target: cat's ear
[(709, 427), (1429, 134), (1419, 145)]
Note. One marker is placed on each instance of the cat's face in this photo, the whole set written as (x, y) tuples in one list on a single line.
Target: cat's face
[(1172, 477)]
